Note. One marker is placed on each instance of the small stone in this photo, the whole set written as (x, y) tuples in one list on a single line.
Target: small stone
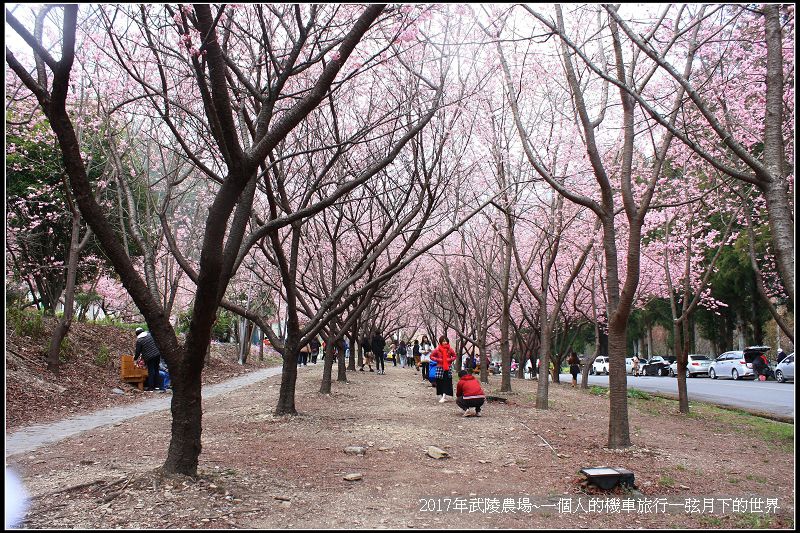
[(437, 453), (353, 477), (117, 391), (355, 450), (683, 487)]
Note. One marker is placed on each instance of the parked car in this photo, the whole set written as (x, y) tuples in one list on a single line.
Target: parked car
[(629, 365), (785, 369), (736, 364), (655, 366), (600, 366), (695, 365)]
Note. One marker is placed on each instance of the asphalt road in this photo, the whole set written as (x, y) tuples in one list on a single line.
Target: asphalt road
[(765, 396)]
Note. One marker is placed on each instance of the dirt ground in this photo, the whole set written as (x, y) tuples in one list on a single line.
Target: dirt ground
[(261, 471)]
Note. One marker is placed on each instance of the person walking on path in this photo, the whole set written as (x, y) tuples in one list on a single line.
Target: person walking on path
[(378, 343), (315, 345), (393, 353), (302, 358), (444, 356), (402, 351), (469, 394), (415, 353), (425, 348), (366, 351), (147, 349), (574, 368)]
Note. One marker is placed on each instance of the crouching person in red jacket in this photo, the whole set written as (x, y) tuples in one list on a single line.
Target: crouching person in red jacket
[(469, 394)]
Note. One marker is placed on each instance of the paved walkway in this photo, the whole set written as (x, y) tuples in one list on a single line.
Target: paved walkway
[(31, 437)]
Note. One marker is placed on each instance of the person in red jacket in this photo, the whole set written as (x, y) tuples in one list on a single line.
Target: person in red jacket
[(469, 394), (444, 356)]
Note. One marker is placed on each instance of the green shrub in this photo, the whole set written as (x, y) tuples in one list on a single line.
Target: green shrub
[(636, 393), (666, 481), (25, 323), (103, 356), (65, 350), (597, 391)]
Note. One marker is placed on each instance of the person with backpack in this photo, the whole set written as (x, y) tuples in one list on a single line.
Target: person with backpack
[(444, 356), (469, 394), (147, 349), (402, 352), (315, 345)]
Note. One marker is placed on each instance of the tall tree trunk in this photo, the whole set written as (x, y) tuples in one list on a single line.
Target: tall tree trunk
[(775, 190), (618, 429), (542, 389), (682, 358), (185, 444), (286, 394), (342, 377), (483, 361), (327, 368), (353, 340)]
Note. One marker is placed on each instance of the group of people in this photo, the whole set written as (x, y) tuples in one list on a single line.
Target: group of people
[(469, 393)]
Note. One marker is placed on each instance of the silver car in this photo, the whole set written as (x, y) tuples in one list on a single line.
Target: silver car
[(696, 364), (785, 369), (730, 365)]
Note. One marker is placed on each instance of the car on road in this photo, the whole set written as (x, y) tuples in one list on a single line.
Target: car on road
[(600, 366), (629, 365), (696, 365), (655, 366), (736, 364), (784, 371)]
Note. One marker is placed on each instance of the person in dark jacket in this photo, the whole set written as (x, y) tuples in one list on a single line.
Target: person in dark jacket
[(574, 367), (402, 351), (416, 354), (469, 394), (378, 343), (366, 352), (147, 349), (315, 345)]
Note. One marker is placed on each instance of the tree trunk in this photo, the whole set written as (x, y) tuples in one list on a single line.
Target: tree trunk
[(288, 380), (62, 328), (187, 412), (776, 191), (682, 358), (353, 339), (327, 368), (542, 389), (483, 362), (342, 377), (618, 429)]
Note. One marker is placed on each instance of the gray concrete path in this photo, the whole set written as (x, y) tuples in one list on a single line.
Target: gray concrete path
[(31, 437)]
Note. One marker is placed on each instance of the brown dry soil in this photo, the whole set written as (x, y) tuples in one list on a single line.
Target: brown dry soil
[(261, 471)]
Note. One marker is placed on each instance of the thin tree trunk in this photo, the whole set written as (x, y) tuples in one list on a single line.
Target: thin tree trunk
[(327, 371)]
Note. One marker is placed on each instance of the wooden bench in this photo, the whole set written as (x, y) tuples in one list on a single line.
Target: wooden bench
[(130, 373)]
